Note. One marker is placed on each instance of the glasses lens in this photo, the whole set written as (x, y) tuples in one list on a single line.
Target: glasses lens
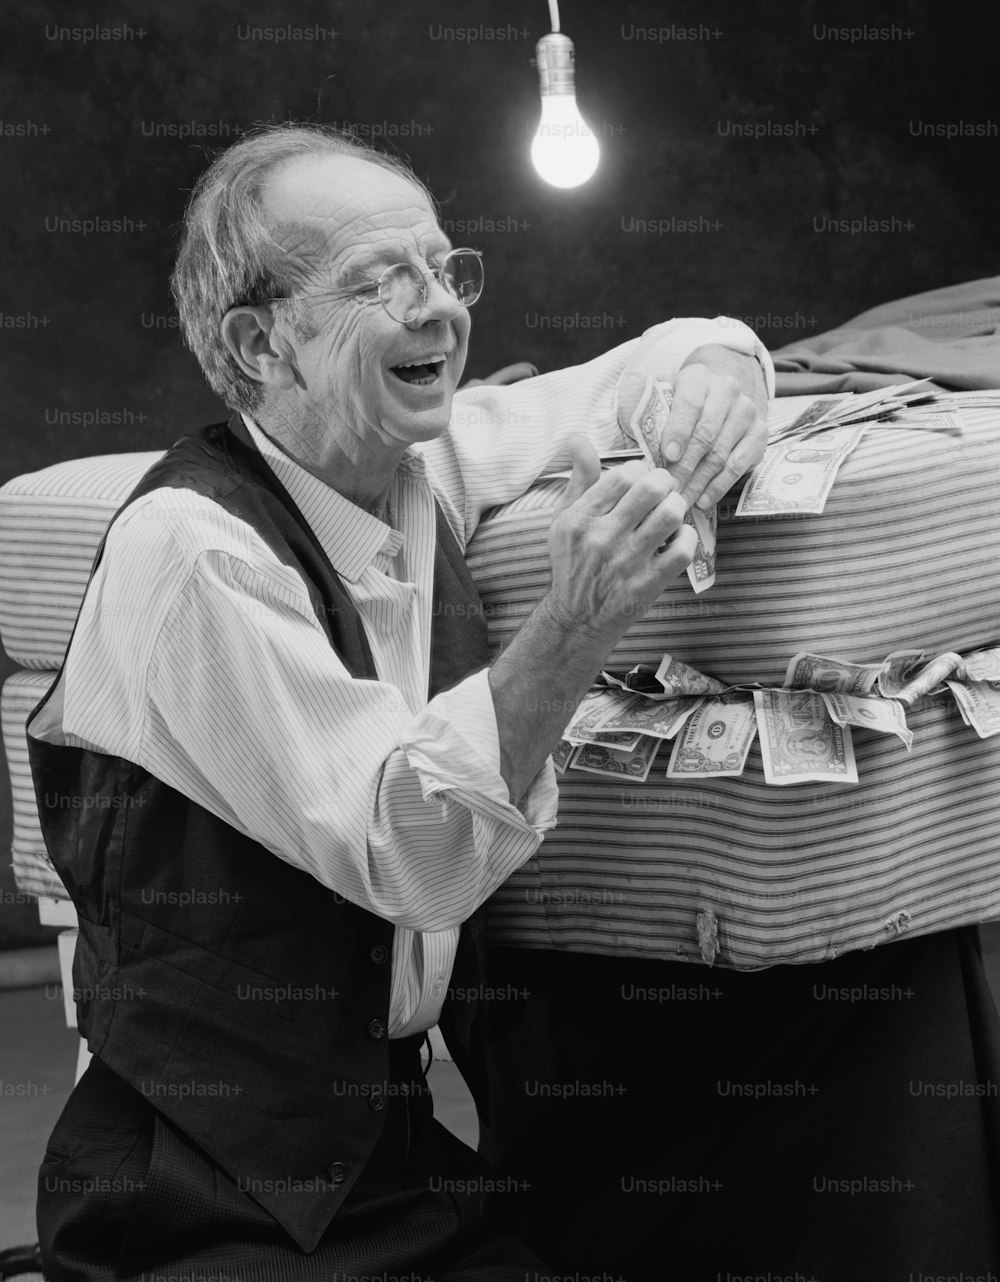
[(402, 292), (462, 275)]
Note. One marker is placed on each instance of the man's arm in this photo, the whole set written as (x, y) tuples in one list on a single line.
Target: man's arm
[(199, 657), (614, 546), (503, 438)]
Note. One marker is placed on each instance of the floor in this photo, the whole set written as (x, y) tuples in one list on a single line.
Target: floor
[(37, 1065)]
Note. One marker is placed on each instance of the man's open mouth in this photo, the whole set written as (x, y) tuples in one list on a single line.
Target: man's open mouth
[(420, 373)]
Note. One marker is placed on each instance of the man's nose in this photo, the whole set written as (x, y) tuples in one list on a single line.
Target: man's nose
[(438, 305)]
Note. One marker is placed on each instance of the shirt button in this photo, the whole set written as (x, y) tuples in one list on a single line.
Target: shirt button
[(376, 1030), (379, 954), (337, 1172), (376, 1101)]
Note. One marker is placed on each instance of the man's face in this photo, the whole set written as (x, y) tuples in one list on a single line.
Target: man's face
[(343, 221)]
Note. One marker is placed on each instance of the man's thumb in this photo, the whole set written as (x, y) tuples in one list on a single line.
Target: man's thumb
[(586, 469)]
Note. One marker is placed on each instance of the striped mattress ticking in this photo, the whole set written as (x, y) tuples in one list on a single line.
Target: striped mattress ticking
[(903, 557)]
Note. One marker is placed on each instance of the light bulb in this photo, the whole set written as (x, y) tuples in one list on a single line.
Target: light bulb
[(564, 150)]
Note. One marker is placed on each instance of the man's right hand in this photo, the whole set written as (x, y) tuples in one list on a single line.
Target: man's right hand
[(616, 542)]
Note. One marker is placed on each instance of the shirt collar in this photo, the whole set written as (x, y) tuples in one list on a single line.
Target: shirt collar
[(351, 537)]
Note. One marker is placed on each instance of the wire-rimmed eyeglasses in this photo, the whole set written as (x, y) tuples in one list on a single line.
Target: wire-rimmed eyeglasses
[(402, 288)]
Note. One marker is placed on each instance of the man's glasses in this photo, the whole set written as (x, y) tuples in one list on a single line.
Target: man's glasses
[(402, 288)]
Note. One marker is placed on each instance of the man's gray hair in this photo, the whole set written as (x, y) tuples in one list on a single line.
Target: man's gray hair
[(228, 254)]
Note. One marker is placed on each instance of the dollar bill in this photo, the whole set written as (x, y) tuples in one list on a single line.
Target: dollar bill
[(635, 766), (715, 740), (661, 718), (585, 721), (818, 672), (803, 416), (640, 680), (650, 418), (561, 754), (884, 715), (799, 742), (701, 571), (883, 401), (982, 666), (678, 678), (817, 411), (796, 475), (647, 423), (899, 667), (979, 702), (930, 678)]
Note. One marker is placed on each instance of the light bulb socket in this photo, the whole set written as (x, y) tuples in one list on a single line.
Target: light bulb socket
[(554, 53)]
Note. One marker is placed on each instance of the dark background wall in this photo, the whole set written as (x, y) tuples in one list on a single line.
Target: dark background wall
[(739, 131)]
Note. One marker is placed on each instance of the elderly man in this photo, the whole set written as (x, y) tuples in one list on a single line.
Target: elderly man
[(278, 685)]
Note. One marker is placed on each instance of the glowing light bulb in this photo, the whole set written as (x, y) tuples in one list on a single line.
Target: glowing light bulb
[(564, 149)]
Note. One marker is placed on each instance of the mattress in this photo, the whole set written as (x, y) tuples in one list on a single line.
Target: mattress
[(904, 556)]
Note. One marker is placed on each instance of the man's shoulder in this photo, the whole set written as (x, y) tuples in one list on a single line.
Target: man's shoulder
[(193, 497)]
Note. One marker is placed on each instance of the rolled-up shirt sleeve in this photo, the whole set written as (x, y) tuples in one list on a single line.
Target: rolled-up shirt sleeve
[(216, 677)]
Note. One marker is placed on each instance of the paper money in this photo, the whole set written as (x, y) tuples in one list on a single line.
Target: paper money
[(639, 680), (701, 571), (804, 417), (883, 401), (818, 672), (798, 741), (635, 766), (715, 740), (899, 668), (884, 715), (561, 754), (982, 666), (796, 475), (929, 678), (660, 718), (980, 705), (679, 678), (647, 423), (584, 722), (650, 418)]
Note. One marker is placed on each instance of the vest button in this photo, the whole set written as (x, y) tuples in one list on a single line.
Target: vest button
[(376, 1101), (337, 1172), (379, 954), (376, 1030)]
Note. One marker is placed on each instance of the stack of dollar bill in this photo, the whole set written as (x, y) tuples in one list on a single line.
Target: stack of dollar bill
[(810, 437), (804, 726)]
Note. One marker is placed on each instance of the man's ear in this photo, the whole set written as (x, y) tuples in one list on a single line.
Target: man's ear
[(248, 333)]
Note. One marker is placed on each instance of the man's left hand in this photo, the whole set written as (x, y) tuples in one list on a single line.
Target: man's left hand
[(717, 429)]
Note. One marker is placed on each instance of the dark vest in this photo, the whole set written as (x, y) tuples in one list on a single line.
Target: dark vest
[(247, 1002)]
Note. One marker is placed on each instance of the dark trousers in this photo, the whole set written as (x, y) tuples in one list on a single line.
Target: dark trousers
[(835, 1123), (123, 1194)]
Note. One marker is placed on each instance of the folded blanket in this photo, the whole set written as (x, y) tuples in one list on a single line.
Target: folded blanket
[(951, 335)]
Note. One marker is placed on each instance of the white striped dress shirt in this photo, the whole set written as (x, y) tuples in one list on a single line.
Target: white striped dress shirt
[(199, 657)]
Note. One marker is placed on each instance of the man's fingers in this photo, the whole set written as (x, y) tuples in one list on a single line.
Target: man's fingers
[(586, 469), (653, 507), (680, 549), (691, 387), (712, 431), (710, 481), (607, 492)]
